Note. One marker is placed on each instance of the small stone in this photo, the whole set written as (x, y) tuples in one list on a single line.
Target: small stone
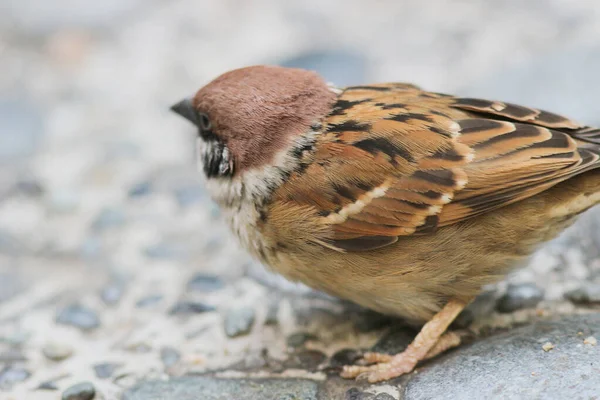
[(10, 284), (239, 321), (57, 351), (298, 339), (384, 396), (356, 394), (109, 218), (141, 189), (22, 128), (308, 360), (91, 248), (63, 200), (169, 356), (205, 283), (105, 370), (482, 306), (589, 293), (48, 385), (78, 316), (190, 307), (13, 246), (149, 301), (272, 317), (80, 391), (592, 341), (167, 251), (29, 187), (11, 375), (345, 357), (112, 293), (395, 340), (11, 356), (547, 346), (369, 321), (517, 297)]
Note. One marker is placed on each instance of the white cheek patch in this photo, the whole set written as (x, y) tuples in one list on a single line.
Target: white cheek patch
[(200, 148)]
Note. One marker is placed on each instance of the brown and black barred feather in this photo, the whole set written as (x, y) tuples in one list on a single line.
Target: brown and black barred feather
[(433, 160)]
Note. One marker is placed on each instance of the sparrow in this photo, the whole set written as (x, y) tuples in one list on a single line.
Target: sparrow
[(404, 201)]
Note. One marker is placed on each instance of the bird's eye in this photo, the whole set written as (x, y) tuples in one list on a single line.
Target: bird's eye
[(205, 123)]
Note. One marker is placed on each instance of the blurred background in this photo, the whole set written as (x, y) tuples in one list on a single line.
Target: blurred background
[(105, 230)]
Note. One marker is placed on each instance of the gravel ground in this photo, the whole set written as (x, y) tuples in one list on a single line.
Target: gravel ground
[(118, 278)]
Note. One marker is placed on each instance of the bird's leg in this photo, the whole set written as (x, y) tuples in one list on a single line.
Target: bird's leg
[(430, 342)]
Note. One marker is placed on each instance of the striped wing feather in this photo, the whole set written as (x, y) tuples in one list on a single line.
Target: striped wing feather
[(394, 161)]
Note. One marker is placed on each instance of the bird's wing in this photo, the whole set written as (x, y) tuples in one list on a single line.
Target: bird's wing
[(393, 160)]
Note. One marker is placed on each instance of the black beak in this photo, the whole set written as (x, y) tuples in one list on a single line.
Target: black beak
[(186, 109)]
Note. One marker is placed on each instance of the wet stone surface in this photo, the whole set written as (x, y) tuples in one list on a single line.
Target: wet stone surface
[(514, 365), (217, 389)]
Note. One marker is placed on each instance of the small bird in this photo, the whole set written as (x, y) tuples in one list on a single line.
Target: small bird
[(401, 200)]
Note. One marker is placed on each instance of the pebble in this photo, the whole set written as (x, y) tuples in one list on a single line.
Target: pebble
[(10, 284), (140, 189), (149, 301), (91, 248), (80, 391), (57, 351), (298, 339), (520, 296), (356, 394), (48, 385), (345, 357), (239, 321), (109, 218), (588, 293), (169, 356), (167, 251), (384, 396), (205, 283), (29, 187), (368, 320), (272, 317), (190, 307), (63, 201), (11, 375), (482, 306), (547, 346), (112, 293), (10, 245), (11, 356), (21, 128), (308, 360), (78, 316), (105, 370)]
